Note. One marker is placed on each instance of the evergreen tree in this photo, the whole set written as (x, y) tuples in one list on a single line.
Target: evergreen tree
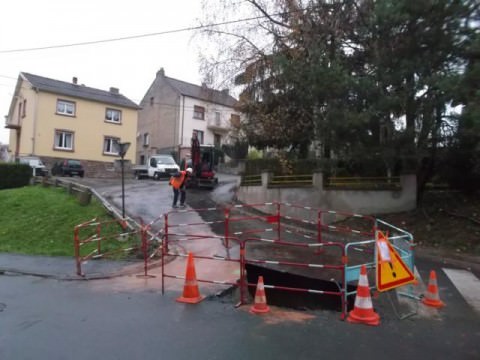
[(366, 79), (465, 153)]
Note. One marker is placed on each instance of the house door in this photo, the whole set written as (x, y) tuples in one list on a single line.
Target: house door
[(217, 140)]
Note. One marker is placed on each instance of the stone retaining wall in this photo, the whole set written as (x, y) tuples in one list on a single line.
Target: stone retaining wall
[(97, 169)]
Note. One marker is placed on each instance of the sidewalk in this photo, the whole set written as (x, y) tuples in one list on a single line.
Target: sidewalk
[(64, 268)]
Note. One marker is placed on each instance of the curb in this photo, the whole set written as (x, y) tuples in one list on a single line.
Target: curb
[(467, 262), (127, 270)]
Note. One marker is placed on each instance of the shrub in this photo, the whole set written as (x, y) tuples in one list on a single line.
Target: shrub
[(13, 175)]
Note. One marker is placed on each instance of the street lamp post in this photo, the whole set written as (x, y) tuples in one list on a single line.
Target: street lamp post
[(122, 150)]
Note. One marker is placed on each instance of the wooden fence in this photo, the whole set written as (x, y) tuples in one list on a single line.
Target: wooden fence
[(82, 192)]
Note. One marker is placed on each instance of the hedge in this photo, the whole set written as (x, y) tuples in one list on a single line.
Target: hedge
[(13, 175)]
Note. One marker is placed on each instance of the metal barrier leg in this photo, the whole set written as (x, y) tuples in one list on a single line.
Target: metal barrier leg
[(395, 304)]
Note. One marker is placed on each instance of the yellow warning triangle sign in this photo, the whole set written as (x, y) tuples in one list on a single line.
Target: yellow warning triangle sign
[(393, 273)]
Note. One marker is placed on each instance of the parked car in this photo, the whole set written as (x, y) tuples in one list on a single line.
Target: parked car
[(38, 168), (68, 167)]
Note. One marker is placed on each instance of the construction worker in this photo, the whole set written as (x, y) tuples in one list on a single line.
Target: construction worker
[(178, 182)]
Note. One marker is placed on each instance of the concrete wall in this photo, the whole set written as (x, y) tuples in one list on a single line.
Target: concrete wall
[(355, 201)]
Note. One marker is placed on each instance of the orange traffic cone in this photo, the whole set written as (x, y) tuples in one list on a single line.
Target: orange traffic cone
[(431, 297), (191, 294), (363, 312), (260, 304)]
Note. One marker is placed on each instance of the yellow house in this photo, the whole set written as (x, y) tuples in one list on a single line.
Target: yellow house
[(58, 120)]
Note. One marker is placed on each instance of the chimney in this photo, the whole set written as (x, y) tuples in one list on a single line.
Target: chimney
[(161, 72), (114, 90), (74, 80), (225, 91)]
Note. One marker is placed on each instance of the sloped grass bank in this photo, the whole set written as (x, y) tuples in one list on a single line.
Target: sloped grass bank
[(37, 220)]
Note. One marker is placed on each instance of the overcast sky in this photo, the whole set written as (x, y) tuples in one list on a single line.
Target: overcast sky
[(129, 65)]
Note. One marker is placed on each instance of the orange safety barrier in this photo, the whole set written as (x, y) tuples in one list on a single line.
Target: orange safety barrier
[(363, 312), (195, 235), (340, 244), (272, 223), (431, 297), (307, 248), (104, 239), (260, 303), (341, 224), (191, 293)]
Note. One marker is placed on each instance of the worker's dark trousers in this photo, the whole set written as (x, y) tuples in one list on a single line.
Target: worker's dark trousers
[(182, 193)]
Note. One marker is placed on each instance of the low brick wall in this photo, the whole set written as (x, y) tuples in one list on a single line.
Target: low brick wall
[(97, 169)]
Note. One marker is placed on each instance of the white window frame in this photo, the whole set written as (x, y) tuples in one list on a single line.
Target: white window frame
[(110, 116), (146, 139), (109, 145), (63, 140), (65, 107)]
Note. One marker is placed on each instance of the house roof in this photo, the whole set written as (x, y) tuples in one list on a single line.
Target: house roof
[(202, 92), (78, 91)]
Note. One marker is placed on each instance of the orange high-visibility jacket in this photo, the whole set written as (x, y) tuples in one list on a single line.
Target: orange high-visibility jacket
[(177, 181)]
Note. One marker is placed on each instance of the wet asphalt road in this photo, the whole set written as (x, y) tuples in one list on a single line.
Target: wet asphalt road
[(49, 319), (128, 318)]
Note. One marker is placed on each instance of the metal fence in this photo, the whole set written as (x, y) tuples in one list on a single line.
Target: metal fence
[(332, 182)]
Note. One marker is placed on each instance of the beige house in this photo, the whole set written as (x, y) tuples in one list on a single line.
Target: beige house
[(57, 120), (172, 110)]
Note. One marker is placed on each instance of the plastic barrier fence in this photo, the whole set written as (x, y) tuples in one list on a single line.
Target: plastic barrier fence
[(181, 239), (344, 240), (324, 244), (305, 257), (96, 239)]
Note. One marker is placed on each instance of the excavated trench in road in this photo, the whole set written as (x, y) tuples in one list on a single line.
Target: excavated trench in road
[(297, 299), (287, 276)]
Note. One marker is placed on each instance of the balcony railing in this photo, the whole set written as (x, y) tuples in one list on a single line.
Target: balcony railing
[(11, 125), (217, 124)]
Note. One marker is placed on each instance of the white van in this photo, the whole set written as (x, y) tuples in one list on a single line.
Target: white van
[(158, 166), (38, 168)]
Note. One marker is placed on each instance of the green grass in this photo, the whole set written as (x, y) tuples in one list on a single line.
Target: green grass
[(39, 220)]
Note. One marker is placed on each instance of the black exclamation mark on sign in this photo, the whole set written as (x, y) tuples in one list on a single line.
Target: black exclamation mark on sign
[(391, 268)]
